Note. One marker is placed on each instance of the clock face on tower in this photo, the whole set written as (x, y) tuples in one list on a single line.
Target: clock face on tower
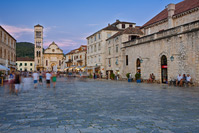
[(38, 34)]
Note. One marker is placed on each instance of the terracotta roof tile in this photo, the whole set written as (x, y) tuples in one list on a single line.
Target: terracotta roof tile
[(24, 59), (128, 30), (179, 8)]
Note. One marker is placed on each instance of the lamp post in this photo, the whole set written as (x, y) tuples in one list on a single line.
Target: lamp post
[(172, 58)]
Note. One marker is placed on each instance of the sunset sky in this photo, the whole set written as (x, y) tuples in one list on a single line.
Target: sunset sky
[(69, 22)]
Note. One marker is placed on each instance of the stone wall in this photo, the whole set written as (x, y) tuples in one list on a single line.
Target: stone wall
[(181, 42)]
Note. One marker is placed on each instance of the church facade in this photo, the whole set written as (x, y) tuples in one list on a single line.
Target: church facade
[(49, 59)]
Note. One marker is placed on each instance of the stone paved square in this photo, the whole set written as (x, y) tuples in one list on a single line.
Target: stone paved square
[(90, 106)]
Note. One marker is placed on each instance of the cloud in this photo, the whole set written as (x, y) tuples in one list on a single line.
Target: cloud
[(64, 44), (17, 32), (92, 25)]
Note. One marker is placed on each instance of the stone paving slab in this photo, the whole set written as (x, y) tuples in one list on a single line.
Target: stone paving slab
[(90, 106)]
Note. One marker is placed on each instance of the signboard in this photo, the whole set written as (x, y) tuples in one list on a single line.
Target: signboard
[(164, 66)]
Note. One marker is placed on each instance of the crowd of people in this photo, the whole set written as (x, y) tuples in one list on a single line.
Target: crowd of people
[(22, 80)]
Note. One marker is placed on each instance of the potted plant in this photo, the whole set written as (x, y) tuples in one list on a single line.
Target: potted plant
[(112, 76), (129, 77), (138, 77)]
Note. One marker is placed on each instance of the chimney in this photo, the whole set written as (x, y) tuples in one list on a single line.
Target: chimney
[(117, 20), (171, 11)]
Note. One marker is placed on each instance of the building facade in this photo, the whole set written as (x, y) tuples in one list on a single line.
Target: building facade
[(50, 59), (25, 64), (76, 60), (169, 46), (96, 45), (113, 49), (7, 49)]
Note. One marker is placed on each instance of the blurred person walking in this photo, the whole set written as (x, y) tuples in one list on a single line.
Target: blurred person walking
[(48, 77), (17, 82), (11, 82), (35, 76), (40, 78), (26, 82), (54, 79)]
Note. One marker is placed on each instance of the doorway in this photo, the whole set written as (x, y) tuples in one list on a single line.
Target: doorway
[(164, 73)]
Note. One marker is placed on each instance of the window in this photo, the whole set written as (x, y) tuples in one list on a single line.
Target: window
[(30, 69), (127, 62), (88, 50), (95, 48), (130, 25), (95, 59), (116, 48), (80, 56), (16, 64), (109, 51), (4, 53), (99, 46), (95, 37), (1, 34), (38, 34), (116, 61), (59, 62), (20, 64), (4, 37), (99, 58), (20, 69), (1, 52), (108, 35), (109, 62), (123, 26), (30, 64), (25, 64), (53, 50), (38, 61), (99, 36), (91, 49)]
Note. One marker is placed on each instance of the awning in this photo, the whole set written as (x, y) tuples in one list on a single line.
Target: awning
[(4, 68)]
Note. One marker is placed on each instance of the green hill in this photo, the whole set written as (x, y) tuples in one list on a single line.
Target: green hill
[(25, 49)]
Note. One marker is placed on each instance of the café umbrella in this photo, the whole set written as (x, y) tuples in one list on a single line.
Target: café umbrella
[(4, 68)]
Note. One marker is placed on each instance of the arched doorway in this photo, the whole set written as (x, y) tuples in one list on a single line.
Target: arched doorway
[(164, 75), (138, 66)]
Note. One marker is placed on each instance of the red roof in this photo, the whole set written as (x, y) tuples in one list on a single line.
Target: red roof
[(24, 59), (179, 8)]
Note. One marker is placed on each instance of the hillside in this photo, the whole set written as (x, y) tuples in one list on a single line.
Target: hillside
[(25, 49)]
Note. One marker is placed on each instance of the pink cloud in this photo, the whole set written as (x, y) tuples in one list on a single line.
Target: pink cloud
[(17, 31)]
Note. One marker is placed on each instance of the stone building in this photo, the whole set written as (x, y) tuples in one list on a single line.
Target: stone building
[(96, 44), (113, 49), (169, 46), (49, 59), (76, 59), (7, 49), (25, 64)]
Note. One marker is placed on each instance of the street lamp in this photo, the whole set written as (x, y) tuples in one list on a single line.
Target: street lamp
[(172, 58)]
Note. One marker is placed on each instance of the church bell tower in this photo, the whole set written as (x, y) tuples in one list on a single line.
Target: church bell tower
[(38, 37)]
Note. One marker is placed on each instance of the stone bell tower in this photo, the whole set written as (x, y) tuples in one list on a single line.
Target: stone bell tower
[(38, 36)]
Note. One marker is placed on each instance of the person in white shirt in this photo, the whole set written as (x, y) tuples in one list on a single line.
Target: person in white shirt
[(189, 79), (178, 79), (48, 77), (35, 76)]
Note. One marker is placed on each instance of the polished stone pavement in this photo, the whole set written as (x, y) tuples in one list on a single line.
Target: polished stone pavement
[(90, 106)]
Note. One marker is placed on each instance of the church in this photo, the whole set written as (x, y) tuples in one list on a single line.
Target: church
[(49, 59)]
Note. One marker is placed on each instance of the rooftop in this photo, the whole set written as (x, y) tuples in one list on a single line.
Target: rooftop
[(24, 59), (181, 7)]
